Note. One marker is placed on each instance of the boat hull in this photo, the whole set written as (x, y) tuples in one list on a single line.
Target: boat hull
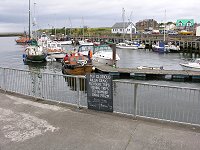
[(103, 61), (127, 47), (190, 67), (77, 69), (34, 58)]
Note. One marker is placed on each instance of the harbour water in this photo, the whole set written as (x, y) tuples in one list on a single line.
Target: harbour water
[(11, 57)]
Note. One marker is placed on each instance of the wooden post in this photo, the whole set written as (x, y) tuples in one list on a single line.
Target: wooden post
[(114, 54)]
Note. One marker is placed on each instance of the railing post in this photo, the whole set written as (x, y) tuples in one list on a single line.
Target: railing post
[(4, 79), (34, 84), (78, 91), (135, 99)]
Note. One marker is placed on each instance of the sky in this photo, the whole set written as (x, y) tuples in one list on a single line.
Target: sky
[(91, 13)]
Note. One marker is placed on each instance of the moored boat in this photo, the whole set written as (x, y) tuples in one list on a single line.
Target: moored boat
[(34, 54), (127, 45), (76, 64), (104, 54), (22, 40), (192, 65)]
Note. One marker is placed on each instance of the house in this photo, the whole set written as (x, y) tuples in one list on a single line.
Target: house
[(124, 28), (185, 24), (147, 24)]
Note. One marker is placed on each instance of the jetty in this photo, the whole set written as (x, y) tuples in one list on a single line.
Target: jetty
[(181, 75)]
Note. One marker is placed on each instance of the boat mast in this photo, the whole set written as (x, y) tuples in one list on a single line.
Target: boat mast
[(83, 28), (29, 26), (164, 25), (123, 17)]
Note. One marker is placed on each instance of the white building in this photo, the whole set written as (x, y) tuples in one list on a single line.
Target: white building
[(198, 31), (124, 28)]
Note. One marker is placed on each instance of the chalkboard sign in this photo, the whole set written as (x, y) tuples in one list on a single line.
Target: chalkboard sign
[(100, 92)]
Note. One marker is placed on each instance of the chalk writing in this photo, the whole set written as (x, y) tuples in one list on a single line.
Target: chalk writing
[(99, 92)]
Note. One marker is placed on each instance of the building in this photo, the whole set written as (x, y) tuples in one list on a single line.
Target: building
[(147, 24), (185, 24), (198, 31), (124, 28)]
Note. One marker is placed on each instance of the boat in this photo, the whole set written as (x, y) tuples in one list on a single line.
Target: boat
[(104, 54), (173, 48), (127, 45), (22, 40), (76, 64), (84, 49), (54, 51), (191, 65), (160, 47), (150, 68), (34, 54), (141, 46)]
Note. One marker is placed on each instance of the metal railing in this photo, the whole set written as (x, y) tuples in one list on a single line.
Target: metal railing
[(137, 99)]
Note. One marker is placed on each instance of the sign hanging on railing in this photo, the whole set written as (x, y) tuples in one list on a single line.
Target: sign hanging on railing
[(100, 92)]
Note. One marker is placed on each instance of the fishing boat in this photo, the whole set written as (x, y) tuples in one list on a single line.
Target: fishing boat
[(191, 65), (34, 54), (76, 64), (22, 40), (54, 51)]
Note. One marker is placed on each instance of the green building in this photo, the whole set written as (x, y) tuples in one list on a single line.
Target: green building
[(185, 24)]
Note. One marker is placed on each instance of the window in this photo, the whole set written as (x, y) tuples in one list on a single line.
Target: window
[(189, 24), (180, 24)]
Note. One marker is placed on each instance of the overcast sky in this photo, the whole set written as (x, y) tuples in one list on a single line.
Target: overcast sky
[(92, 13)]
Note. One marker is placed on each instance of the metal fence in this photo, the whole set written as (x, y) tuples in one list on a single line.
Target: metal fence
[(138, 99)]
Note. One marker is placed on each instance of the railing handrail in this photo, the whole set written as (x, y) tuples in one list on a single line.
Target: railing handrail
[(150, 84)]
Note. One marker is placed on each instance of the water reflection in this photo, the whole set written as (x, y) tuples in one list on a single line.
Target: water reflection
[(73, 83)]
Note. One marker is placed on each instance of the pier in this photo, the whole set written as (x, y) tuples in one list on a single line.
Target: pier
[(187, 43), (180, 75)]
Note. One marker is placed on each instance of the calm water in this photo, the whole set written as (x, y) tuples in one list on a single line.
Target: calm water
[(11, 56)]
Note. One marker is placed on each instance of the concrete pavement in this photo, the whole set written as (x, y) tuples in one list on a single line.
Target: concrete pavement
[(31, 125)]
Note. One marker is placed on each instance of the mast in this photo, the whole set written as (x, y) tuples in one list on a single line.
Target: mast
[(83, 28), (164, 25), (123, 17), (29, 25)]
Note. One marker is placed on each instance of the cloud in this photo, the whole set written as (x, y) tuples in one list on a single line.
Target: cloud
[(96, 13)]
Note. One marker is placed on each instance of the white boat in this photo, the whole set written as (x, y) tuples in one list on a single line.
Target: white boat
[(85, 42), (65, 42), (127, 46), (173, 48), (54, 51), (150, 68), (192, 65), (84, 49), (104, 54), (141, 46)]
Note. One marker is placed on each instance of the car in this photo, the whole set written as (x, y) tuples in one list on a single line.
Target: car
[(172, 33)]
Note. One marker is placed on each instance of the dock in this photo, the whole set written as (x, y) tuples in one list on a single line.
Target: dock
[(182, 75)]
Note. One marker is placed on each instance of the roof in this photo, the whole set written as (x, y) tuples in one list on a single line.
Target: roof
[(184, 22), (121, 24)]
